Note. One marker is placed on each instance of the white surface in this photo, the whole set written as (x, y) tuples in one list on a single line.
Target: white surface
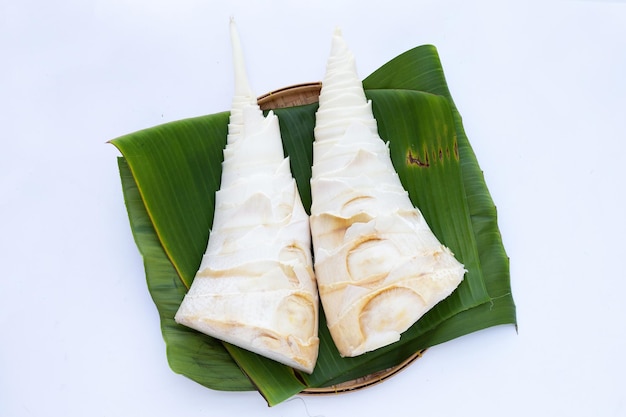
[(542, 91)]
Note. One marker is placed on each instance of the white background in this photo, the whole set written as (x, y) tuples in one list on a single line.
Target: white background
[(540, 85)]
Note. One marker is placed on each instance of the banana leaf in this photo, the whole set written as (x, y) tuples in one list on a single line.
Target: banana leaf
[(187, 350), (170, 174)]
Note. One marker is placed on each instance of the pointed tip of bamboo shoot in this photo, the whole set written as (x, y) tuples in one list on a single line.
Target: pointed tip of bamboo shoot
[(242, 86), (342, 91), (339, 45)]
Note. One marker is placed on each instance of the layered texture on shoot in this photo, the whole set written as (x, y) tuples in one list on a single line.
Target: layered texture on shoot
[(379, 267), (255, 286)]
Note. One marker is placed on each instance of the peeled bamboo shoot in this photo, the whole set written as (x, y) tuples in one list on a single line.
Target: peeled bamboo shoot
[(255, 286), (378, 265)]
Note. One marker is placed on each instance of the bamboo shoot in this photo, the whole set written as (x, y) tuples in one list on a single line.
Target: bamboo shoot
[(255, 286), (378, 265)]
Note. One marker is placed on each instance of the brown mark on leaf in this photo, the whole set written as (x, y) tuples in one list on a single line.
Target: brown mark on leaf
[(415, 160)]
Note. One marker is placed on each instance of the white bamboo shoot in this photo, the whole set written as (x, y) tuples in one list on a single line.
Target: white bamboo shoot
[(255, 286), (378, 266)]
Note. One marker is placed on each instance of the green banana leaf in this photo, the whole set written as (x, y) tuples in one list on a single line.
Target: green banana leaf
[(170, 174)]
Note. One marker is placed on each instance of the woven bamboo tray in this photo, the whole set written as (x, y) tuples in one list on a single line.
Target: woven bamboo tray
[(298, 95), (295, 95)]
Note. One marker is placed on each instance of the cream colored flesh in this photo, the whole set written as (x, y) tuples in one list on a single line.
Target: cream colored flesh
[(255, 287), (378, 266)]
